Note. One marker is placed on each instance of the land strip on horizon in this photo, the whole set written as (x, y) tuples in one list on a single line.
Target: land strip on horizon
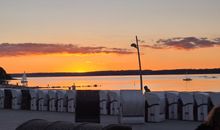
[(122, 73)]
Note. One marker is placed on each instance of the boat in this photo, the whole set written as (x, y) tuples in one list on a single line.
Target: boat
[(187, 79)]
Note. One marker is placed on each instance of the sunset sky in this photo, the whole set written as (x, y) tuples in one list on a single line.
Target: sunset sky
[(95, 35)]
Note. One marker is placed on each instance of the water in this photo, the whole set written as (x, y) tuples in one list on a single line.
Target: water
[(205, 82)]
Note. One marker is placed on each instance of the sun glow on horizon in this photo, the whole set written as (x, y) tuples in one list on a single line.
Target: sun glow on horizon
[(79, 68)]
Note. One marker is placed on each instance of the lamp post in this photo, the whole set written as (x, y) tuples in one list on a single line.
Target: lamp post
[(135, 45)]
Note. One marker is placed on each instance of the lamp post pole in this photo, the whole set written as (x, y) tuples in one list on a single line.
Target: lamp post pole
[(135, 45), (139, 60)]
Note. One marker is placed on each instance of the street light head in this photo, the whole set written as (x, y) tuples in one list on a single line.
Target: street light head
[(134, 45)]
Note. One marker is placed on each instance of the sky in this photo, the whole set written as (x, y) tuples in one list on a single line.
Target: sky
[(95, 35)]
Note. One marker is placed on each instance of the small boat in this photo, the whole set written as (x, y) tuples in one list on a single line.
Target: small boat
[(187, 79)]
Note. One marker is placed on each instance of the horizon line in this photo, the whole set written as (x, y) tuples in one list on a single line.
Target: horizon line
[(120, 70)]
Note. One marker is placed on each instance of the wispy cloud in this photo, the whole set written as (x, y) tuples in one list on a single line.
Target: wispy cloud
[(186, 43), (19, 49)]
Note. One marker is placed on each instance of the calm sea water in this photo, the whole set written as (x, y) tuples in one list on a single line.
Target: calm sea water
[(206, 82)]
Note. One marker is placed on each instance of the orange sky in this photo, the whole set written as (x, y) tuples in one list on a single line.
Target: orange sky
[(151, 59), (113, 25)]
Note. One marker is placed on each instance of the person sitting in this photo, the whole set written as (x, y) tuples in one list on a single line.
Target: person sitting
[(213, 120), (146, 88)]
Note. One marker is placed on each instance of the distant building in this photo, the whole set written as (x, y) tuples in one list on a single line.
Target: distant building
[(24, 81)]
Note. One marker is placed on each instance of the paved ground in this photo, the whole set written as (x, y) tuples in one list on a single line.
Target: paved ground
[(10, 119)]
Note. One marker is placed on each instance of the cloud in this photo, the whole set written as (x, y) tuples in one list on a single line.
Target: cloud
[(186, 43), (19, 49)]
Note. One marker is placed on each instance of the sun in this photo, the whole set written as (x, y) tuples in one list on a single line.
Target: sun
[(79, 68)]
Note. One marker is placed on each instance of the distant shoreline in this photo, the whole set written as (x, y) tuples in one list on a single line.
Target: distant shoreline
[(123, 73)]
